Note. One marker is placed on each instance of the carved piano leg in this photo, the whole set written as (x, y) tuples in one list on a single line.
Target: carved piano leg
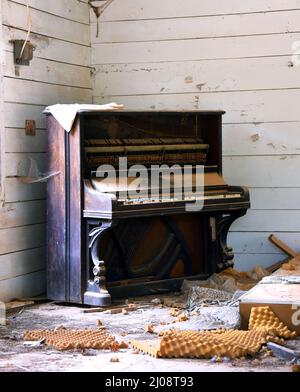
[(223, 228), (221, 252), (97, 293)]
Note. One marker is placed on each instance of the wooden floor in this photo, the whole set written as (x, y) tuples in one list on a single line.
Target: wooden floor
[(14, 356)]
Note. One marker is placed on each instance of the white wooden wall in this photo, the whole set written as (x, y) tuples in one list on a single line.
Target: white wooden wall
[(210, 54), (155, 54), (59, 72)]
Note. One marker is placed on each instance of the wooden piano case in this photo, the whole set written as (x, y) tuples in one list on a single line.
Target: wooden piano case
[(91, 259)]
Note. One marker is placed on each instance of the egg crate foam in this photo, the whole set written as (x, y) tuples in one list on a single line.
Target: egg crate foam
[(264, 317), (65, 339), (264, 326)]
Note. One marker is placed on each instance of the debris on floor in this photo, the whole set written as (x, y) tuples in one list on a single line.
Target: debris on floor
[(263, 317), (18, 305), (207, 344), (284, 352), (113, 309), (149, 328), (209, 318), (231, 280), (264, 326), (202, 295), (281, 294), (201, 321), (296, 368), (292, 264), (64, 339)]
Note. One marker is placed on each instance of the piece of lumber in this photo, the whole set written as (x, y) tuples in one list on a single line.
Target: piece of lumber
[(283, 352), (282, 246), (112, 310), (276, 266), (99, 310), (16, 305), (40, 298)]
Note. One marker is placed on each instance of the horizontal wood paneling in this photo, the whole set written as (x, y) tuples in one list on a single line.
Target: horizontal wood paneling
[(253, 243), (40, 93), (240, 106), (50, 48), (43, 23), (24, 112), (22, 238), (60, 72), (275, 198), (20, 263), (1, 109), (275, 220), (156, 9), (261, 139), (24, 286), (246, 262), (17, 141), (16, 191), (197, 76), (49, 72), (18, 165), (194, 49), (24, 213), (69, 9), (263, 171), (201, 27)]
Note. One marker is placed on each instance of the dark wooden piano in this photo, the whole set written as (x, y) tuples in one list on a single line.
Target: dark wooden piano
[(108, 237)]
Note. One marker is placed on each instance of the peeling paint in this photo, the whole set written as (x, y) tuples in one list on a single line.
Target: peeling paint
[(271, 145), (200, 85), (255, 137), (188, 79)]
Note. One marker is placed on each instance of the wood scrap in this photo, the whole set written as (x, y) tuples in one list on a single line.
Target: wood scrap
[(14, 306), (283, 246), (121, 310), (295, 368), (182, 317), (40, 298), (149, 328), (282, 352), (112, 310), (288, 266), (174, 312), (274, 267)]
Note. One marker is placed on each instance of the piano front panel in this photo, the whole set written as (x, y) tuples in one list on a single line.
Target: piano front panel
[(151, 248)]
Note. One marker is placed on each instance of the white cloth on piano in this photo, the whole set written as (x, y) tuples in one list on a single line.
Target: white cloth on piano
[(66, 114)]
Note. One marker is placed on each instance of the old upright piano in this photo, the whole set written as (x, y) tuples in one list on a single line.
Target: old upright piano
[(108, 237)]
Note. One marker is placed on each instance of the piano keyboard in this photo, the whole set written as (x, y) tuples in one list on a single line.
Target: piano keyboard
[(174, 200)]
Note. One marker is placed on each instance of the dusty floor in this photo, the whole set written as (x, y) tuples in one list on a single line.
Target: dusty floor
[(15, 357)]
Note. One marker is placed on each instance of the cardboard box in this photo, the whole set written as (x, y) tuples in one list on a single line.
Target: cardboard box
[(283, 299)]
